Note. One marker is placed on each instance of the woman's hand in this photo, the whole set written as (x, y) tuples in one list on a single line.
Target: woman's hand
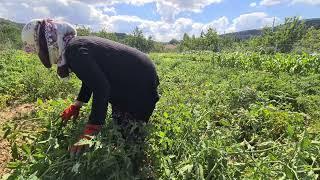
[(71, 112), (89, 133)]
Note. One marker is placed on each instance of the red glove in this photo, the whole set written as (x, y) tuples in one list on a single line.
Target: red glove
[(89, 133), (71, 111)]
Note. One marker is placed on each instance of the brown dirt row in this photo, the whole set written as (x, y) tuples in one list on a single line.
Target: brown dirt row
[(6, 115)]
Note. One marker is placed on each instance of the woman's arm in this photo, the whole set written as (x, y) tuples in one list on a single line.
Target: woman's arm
[(84, 95), (91, 75)]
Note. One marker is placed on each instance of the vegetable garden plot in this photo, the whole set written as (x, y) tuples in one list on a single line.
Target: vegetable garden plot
[(220, 116)]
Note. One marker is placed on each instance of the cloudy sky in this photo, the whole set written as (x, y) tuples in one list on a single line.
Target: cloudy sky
[(162, 19)]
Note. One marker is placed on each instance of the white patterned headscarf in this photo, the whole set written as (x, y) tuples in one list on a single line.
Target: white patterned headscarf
[(57, 35)]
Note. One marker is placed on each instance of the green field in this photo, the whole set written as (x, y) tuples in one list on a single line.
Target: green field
[(220, 116)]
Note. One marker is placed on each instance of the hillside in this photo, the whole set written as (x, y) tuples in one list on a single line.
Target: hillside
[(8, 22), (10, 34), (242, 35), (313, 22)]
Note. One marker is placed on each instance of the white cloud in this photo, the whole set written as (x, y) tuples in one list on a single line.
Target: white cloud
[(111, 10), (254, 4), (113, 2), (166, 9), (311, 2), (100, 16), (169, 9), (164, 31), (70, 10), (25, 5), (42, 10), (159, 30), (252, 21), (289, 2), (270, 2), (220, 25)]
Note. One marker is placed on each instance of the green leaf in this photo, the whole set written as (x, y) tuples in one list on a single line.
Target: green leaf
[(26, 149), (162, 134), (39, 155), (305, 144), (185, 168), (200, 172), (167, 171), (290, 130), (8, 131), (13, 165), (39, 101), (56, 145), (75, 167), (165, 114), (14, 151), (224, 122), (33, 176)]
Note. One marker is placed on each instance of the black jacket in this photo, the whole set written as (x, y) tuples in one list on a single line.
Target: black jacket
[(114, 73)]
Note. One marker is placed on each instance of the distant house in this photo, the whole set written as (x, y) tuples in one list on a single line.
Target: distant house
[(170, 47)]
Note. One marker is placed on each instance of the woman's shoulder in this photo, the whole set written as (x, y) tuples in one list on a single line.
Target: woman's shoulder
[(93, 40), (85, 40), (96, 43)]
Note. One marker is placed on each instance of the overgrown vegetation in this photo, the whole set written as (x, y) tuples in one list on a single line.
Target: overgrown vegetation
[(282, 38), (229, 109), (292, 35), (10, 35), (220, 116), (21, 80)]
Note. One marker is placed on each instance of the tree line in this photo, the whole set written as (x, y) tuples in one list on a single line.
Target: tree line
[(136, 39), (292, 36)]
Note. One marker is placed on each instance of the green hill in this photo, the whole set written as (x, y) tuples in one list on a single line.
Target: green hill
[(11, 23), (315, 22), (10, 34), (243, 35)]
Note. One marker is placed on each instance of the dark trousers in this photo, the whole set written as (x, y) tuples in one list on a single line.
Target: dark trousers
[(131, 127), (134, 132)]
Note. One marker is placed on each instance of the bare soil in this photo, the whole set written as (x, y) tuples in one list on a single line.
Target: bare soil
[(6, 115)]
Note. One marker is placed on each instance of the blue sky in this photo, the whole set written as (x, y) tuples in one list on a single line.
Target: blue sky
[(163, 20), (229, 8)]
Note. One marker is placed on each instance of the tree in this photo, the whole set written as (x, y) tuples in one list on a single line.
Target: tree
[(206, 41), (282, 39), (150, 44), (211, 40), (108, 35), (310, 42), (289, 33), (227, 42), (10, 36), (137, 40), (185, 44), (173, 42), (202, 34), (83, 30)]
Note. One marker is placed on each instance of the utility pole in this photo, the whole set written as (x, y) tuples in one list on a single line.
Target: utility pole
[(274, 20)]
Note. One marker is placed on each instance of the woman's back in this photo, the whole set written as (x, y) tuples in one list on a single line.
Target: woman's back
[(131, 74)]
